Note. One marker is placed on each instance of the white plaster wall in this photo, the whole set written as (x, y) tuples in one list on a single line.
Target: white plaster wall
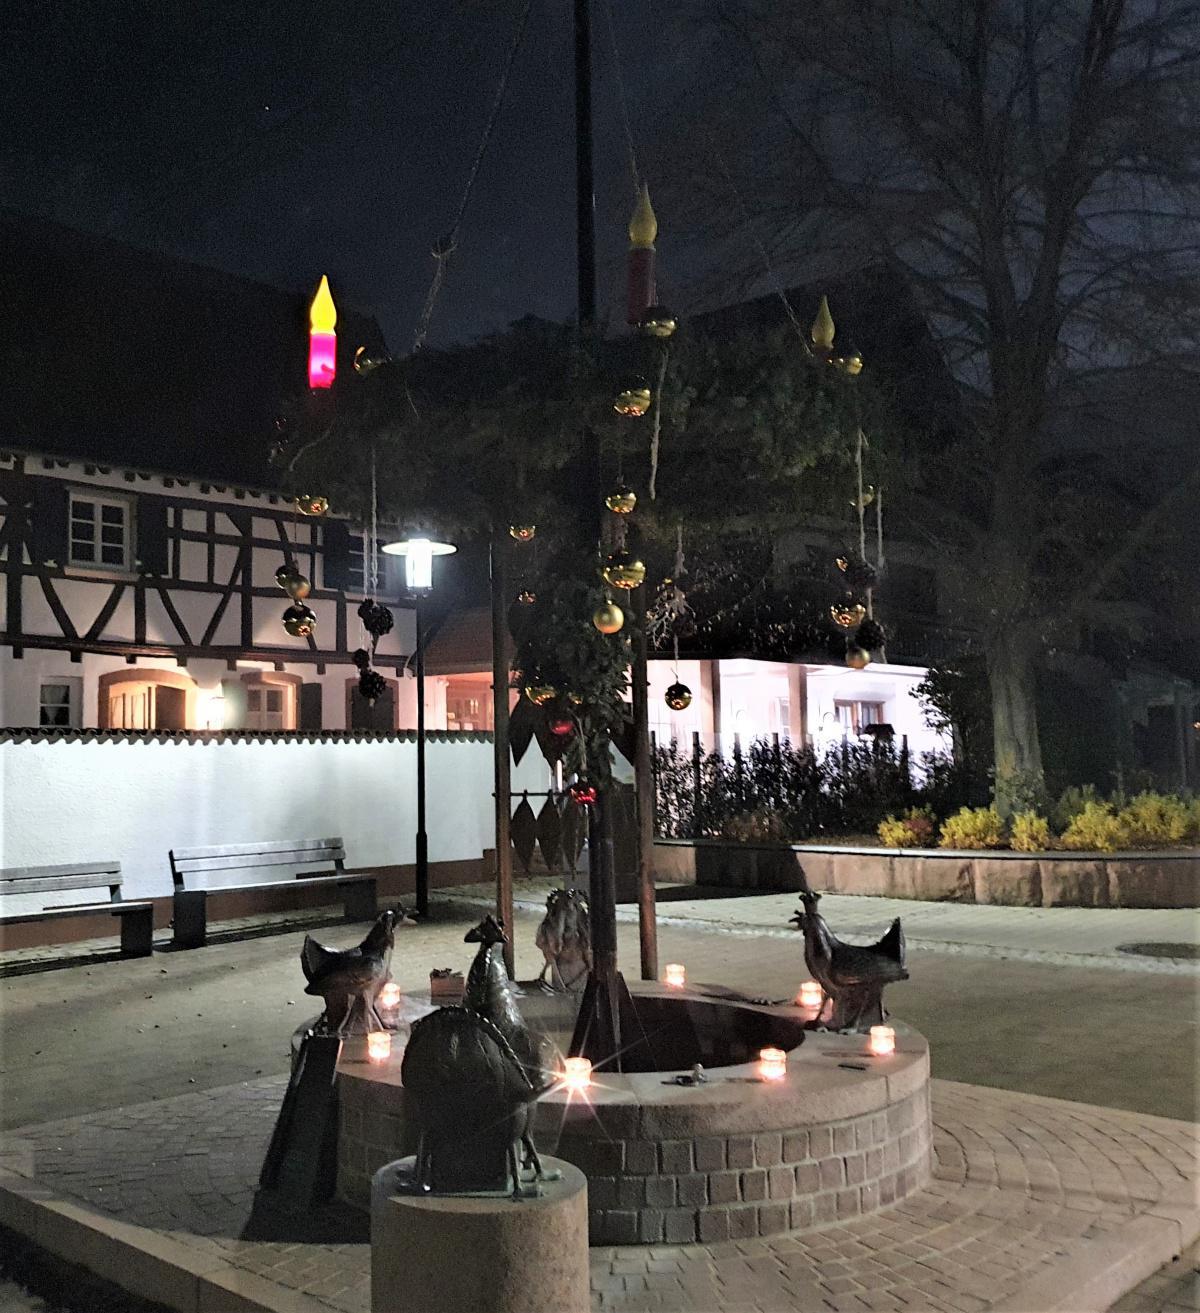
[(63, 802), (892, 685)]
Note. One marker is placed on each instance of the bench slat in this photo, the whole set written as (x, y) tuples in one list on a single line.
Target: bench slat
[(82, 909), (335, 878), (199, 866), (251, 849), (68, 868), (53, 883)]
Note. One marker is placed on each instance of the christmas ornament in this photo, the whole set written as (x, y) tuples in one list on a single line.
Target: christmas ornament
[(847, 614), (633, 399), (583, 793), (561, 726), (870, 635), (574, 699), (621, 500), (608, 618), (526, 597), (868, 496), (365, 364), (842, 563), (297, 587), (623, 570), (361, 658), (311, 504), (322, 342), (857, 658), (285, 574), (822, 329), (540, 694), (658, 321), (850, 364), (372, 685), (678, 697), (376, 618), (523, 533), (299, 621)]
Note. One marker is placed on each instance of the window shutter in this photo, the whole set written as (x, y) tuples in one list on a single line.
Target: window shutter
[(310, 706), (152, 547), (51, 502), (335, 555)]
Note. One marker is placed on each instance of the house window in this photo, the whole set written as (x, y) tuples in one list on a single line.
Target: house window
[(58, 705), (101, 531), (854, 717), (358, 568), (271, 700)]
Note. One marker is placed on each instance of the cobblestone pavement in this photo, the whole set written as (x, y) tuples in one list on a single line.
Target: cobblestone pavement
[(1018, 1182)]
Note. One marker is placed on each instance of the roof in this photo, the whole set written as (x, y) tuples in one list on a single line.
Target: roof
[(132, 357), (462, 644)]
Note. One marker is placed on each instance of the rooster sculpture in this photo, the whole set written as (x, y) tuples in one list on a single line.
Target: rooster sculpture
[(473, 1074), (852, 975), (348, 979), (564, 937)]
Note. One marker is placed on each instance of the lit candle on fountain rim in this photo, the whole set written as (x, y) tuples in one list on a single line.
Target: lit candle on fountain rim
[(379, 1046), (577, 1074), (772, 1064), (811, 994), (388, 1001), (882, 1041), (674, 975)]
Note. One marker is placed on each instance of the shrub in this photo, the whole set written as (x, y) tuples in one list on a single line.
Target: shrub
[(1030, 833), (972, 827), (1070, 803), (1153, 820), (755, 827), (913, 830), (1094, 829), (1193, 830)]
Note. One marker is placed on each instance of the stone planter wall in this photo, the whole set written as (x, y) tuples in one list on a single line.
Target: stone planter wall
[(1142, 879)]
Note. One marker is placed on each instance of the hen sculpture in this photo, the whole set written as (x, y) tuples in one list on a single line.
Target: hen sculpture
[(852, 975), (564, 937), (348, 979)]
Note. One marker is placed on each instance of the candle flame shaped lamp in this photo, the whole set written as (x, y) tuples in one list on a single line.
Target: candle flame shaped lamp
[(772, 1064), (322, 340), (882, 1041), (811, 994), (674, 975), (577, 1074), (379, 1046)]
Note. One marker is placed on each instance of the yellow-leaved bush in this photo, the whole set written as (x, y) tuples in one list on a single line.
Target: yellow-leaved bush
[(1030, 833), (973, 827), (912, 830), (1154, 820), (1096, 829)]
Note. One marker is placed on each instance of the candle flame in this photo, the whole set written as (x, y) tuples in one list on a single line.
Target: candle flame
[(322, 314)]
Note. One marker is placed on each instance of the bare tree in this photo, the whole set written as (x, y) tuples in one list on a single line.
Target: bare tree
[(1032, 168)]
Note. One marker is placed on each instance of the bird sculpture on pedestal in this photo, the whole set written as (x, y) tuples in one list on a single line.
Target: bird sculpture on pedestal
[(852, 975), (348, 979)]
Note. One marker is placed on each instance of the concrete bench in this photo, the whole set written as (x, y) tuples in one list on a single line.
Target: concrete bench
[(137, 919), (190, 922)]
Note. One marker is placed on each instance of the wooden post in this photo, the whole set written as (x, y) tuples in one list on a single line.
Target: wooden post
[(643, 774), (501, 663), (697, 782)]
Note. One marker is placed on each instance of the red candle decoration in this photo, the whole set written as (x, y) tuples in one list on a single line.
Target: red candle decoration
[(561, 726), (322, 340), (583, 793), (643, 229)]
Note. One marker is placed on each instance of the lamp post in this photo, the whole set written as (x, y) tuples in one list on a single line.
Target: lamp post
[(418, 556)]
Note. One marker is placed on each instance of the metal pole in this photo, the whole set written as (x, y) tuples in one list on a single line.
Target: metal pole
[(501, 752), (422, 838), (644, 783)]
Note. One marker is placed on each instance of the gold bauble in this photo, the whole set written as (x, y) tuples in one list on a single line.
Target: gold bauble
[(851, 364), (847, 614), (621, 500), (857, 658), (633, 400), (523, 533), (658, 321), (842, 563), (608, 618), (297, 587), (624, 571), (540, 694), (678, 697), (299, 621), (310, 504), (526, 597), (285, 574), (868, 496)]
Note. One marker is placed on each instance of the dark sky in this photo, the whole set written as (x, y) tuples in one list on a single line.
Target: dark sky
[(289, 138)]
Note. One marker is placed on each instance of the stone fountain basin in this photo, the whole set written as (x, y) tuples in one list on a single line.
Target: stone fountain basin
[(842, 1135)]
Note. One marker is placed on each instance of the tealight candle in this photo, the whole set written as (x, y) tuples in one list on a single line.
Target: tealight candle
[(811, 994), (389, 995), (882, 1041), (674, 974), (379, 1046), (772, 1064), (577, 1073)]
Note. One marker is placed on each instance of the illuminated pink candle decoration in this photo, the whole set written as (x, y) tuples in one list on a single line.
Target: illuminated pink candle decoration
[(577, 1074), (379, 1046), (811, 994), (322, 340), (882, 1041), (772, 1064), (674, 975)]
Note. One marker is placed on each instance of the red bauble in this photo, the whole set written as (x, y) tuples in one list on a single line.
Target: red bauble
[(583, 793), (562, 726)]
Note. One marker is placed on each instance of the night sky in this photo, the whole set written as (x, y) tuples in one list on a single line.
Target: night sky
[(282, 140)]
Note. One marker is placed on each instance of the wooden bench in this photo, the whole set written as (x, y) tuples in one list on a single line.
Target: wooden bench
[(191, 905), (137, 919)]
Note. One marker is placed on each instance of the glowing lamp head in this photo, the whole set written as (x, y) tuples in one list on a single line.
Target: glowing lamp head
[(389, 995), (322, 340), (674, 975), (577, 1074), (379, 1046), (772, 1064), (418, 556), (882, 1041), (811, 994)]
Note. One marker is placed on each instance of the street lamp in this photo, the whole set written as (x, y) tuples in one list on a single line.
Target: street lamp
[(418, 556)]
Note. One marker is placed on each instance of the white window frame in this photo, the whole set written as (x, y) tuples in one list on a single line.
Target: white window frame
[(855, 707), (98, 501), (74, 686)]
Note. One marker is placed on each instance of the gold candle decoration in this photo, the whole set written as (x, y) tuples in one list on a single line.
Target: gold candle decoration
[(882, 1041), (772, 1064), (811, 994), (379, 1046), (577, 1074), (674, 975)]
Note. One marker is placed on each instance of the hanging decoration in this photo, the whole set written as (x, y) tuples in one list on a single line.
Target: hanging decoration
[(623, 570), (622, 500), (296, 585), (540, 694), (643, 229), (526, 597), (847, 614), (523, 533), (312, 504), (562, 725), (857, 658), (871, 635), (322, 340), (299, 620), (361, 658), (583, 793), (678, 697), (372, 686), (377, 619), (608, 618), (859, 572), (633, 399), (658, 321)]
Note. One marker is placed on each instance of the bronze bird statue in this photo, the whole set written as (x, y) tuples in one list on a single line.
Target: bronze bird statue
[(564, 937), (852, 975), (348, 979)]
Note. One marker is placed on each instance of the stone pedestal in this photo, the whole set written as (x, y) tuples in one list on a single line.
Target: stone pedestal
[(457, 1254)]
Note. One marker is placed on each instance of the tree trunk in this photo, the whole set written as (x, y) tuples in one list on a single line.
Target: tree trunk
[(1016, 746)]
